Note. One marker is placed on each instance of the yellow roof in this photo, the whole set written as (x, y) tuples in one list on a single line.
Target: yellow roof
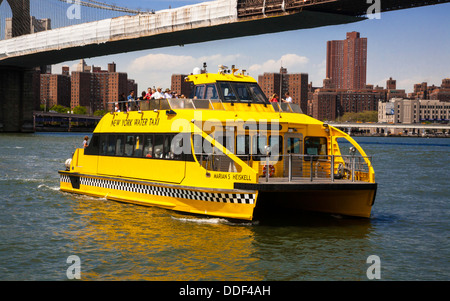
[(207, 78)]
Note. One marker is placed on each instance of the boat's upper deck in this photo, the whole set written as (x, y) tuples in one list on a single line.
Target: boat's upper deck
[(217, 105), (226, 90)]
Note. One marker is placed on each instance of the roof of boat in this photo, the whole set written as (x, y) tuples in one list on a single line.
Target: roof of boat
[(222, 75)]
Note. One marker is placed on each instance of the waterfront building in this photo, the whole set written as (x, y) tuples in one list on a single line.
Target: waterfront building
[(441, 93), (54, 90), (423, 91), (97, 89), (329, 103), (347, 62), (296, 84), (408, 111), (179, 85)]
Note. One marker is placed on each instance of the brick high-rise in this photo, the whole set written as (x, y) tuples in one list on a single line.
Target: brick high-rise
[(99, 89), (280, 83), (347, 62), (54, 90), (180, 86)]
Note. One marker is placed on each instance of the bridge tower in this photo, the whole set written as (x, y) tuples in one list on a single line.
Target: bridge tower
[(16, 91), (20, 16)]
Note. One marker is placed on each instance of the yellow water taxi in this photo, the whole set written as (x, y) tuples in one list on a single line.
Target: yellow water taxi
[(226, 152)]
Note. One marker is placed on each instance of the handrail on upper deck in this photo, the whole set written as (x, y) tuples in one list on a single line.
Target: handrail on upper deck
[(197, 104)]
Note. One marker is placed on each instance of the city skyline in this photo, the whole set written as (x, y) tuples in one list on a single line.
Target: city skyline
[(408, 45)]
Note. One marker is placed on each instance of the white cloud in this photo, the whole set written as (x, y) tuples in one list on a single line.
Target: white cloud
[(293, 63), (157, 69), (160, 62)]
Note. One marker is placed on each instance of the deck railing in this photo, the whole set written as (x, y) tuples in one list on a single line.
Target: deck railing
[(294, 167), (197, 104)]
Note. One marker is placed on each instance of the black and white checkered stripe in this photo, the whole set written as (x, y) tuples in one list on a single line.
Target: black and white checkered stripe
[(64, 178), (237, 198)]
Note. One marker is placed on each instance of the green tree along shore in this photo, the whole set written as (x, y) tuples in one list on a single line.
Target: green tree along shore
[(366, 116), (79, 110)]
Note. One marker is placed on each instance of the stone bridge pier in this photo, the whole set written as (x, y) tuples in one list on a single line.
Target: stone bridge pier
[(16, 99)]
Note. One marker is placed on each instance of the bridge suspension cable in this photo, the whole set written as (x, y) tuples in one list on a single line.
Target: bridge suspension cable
[(102, 5)]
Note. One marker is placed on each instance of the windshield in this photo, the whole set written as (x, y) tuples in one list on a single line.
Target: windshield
[(241, 92)]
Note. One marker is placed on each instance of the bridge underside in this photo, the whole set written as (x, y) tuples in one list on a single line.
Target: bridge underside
[(345, 7), (249, 27)]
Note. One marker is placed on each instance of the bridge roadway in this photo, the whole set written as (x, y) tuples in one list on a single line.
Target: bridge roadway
[(207, 21), (201, 22)]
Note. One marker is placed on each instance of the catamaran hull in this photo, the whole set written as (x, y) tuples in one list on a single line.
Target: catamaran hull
[(349, 199), (233, 204), (344, 199)]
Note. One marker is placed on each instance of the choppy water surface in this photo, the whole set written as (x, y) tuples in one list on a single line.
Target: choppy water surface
[(41, 226)]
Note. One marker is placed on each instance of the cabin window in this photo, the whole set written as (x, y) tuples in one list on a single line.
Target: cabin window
[(93, 147), (259, 147), (315, 146), (243, 147), (181, 147), (227, 141), (211, 92), (138, 145), (243, 92), (111, 146), (167, 151), (257, 93), (129, 145), (159, 146), (227, 92), (103, 144), (242, 144), (148, 146), (120, 143), (199, 92), (293, 145)]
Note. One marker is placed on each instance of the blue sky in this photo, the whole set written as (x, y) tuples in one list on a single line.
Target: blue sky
[(411, 46)]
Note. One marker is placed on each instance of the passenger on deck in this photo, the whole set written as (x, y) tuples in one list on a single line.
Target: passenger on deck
[(288, 98), (131, 101), (157, 94), (167, 93), (149, 93), (274, 98), (122, 105), (143, 95), (85, 141)]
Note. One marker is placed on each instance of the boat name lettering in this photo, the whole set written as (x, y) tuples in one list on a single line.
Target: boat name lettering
[(135, 122), (237, 177)]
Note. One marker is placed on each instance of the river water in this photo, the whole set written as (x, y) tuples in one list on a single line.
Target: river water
[(40, 227)]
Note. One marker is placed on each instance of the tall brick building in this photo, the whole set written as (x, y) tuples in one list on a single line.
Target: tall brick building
[(280, 83), (347, 62), (90, 87), (180, 86), (97, 90), (54, 90), (423, 91)]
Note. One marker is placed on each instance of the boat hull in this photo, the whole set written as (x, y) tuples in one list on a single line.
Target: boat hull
[(346, 198), (233, 204)]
